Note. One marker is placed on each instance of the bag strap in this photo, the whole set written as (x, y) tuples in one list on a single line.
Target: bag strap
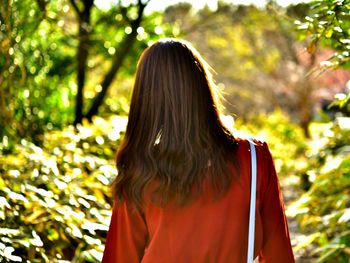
[(250, 255)]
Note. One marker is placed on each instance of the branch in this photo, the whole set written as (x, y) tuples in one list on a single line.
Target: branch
[(136, 23), (145, 4), (141, 7), (123, 11), (75, 6), (42, 5), (117, 62)]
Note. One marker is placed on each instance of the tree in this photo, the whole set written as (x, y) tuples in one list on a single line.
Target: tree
[(58, 59), (120, 54), (84, 17), (119, 57), (25, 60)]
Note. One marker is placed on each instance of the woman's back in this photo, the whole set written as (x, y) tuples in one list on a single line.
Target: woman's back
[(206, 229), (183, 184)]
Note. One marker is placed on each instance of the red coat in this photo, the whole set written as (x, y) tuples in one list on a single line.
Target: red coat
[(205, 230)]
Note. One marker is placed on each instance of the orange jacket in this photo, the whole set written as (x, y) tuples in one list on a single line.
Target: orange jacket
[(207, 230)]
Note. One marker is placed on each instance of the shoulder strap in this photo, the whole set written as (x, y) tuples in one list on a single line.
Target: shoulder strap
[(250, 256)]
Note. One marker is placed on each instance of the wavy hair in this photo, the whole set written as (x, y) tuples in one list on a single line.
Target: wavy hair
[(174, 137)]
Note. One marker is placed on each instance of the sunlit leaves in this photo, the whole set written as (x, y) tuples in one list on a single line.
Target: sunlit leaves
[(329, 24), (327, 201), (35, 48), (55, 199), (323, 211), (38, 45)]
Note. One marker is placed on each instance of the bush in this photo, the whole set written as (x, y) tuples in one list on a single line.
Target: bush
[(55, 203), (324, 211)]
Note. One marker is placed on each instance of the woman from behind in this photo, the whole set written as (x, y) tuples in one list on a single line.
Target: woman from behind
[(182, 192)]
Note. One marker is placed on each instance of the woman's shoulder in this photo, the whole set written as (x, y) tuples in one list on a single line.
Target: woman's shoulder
[(260, 145), (265, 163), (263, 154)]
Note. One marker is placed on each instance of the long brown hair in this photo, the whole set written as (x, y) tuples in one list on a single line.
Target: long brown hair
[(174, 136)]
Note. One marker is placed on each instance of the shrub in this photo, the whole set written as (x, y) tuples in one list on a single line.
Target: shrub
[(55, 203), (324, 211)]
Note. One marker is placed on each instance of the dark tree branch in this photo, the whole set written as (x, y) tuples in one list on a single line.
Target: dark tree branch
[(75, 6), (117, 62), (42, 5), (82, 55), (123, 12)]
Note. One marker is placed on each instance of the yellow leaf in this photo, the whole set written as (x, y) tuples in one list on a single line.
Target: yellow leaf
[(311, 48)]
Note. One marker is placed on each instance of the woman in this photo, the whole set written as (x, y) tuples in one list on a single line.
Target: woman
[(182, 192)]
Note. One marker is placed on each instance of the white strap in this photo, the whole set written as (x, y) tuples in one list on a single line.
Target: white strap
[(250, 256)]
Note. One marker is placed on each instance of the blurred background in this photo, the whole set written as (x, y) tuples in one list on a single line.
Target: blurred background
[(66, 74)]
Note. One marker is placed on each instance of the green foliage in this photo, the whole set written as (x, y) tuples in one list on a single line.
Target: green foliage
[(329, 23), (54, 201), (109, 32), (324, 211), (38, 62), (111, 27), (36, 57)]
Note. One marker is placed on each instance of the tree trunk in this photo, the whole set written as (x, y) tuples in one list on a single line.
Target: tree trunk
[(305, 119), (82, 55), (305, 104)]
